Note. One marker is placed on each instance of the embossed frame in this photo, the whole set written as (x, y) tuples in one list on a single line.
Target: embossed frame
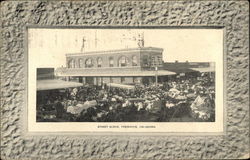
[(17, 15)]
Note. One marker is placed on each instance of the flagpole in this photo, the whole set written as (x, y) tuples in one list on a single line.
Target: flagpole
[(83, 45)]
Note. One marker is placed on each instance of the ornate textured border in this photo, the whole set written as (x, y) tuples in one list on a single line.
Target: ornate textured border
[(16, 15)]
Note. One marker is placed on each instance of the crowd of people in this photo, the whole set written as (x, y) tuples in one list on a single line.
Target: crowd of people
[(186, 99)]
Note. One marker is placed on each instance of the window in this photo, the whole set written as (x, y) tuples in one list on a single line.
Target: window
[(89, 63), (159, 60), (71, 63), (156, 60), (99, 62), (134, 61), (80, 63), (111, 62), (123, 61), (145, 60), (153, 63)]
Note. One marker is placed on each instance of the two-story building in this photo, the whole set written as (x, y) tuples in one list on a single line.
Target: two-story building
[(126, 66)]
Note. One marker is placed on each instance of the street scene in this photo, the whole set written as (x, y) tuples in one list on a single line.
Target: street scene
[(130, 84)]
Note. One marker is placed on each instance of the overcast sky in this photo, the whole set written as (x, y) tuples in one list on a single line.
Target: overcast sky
[(49, 46)]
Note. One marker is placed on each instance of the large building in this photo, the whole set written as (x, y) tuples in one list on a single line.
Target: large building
[(124, 66)]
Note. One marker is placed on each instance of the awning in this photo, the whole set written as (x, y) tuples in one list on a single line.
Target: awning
[(55, 84), (182, 70), (207, 69), (124, 86)]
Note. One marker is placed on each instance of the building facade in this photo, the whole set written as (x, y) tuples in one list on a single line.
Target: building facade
[(126, 66)]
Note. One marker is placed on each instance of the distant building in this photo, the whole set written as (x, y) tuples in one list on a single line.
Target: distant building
[(45, 73), (190, 69), (126, 66)]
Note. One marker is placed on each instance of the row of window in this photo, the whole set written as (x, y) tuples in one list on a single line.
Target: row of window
[(151, 60), (156, 60), (123, 61), (135, 80)]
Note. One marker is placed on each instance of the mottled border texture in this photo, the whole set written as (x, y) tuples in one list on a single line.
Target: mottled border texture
[(16, 15)]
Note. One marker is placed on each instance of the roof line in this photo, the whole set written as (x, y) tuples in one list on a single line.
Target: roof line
[(114, 51)]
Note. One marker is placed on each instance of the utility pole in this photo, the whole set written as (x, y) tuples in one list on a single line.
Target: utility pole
[(83, 44), (96, 39), (126, 39), (141, 40)]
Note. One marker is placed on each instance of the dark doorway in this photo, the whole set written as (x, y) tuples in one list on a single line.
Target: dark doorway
[(89, 80), (145, 80), (80, 80)]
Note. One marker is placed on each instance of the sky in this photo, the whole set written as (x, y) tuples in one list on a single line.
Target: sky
[(47, 47)]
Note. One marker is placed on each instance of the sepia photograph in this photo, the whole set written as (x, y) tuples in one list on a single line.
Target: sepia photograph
[(125, 75), (124, 79)]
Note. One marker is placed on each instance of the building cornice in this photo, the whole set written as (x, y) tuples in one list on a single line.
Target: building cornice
[(118, 51)]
